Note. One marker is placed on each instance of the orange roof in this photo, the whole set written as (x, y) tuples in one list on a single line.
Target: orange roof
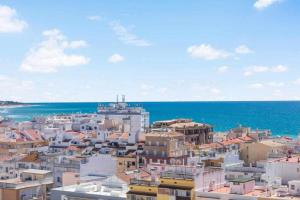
[(76, 134), (294, 159), (118, 135), (127, 176), (32, 135), (113, 136), (33, 157), (124, 136), (232, 141), (214, 145), (246, 138)]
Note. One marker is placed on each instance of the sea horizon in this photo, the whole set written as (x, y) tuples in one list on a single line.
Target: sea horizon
[(205, 101), (281, 117)]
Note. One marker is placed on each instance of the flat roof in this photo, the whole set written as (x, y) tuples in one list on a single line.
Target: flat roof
[(242, 180), (271, 143), (36, 171), (163, 134)]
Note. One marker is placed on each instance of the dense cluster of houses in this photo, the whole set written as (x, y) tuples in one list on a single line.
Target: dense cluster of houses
[(116, 154)]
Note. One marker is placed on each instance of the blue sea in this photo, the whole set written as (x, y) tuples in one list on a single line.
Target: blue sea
[(282, 118)]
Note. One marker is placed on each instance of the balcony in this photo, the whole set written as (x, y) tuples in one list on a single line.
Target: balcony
[(18, 184), (135, 181), (177, 175)]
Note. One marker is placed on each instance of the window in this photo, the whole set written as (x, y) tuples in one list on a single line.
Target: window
[(292, 187), (182, 193)]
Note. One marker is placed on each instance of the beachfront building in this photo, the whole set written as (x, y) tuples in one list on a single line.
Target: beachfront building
[(257, 151), (241, 131), (132, 119), (195, 133), (32, 184), (164, 147)]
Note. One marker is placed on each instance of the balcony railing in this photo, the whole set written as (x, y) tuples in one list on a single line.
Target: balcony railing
[(135, 181), (177, 175), (44, 181)]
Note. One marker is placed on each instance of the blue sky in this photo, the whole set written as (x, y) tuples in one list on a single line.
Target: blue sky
[(150, 51)]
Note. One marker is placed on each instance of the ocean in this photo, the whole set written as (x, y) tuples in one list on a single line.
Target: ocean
[(281, 117)]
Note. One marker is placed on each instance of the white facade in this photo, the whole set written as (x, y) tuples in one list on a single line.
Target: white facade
[(110, 189), (101, 164), (132, 119), (294, 187), (286, 170)]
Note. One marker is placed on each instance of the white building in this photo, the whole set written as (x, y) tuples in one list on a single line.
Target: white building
[(132, 119), (111, 188), (287, 169), (67, 167), (206, 178), (294, 187)]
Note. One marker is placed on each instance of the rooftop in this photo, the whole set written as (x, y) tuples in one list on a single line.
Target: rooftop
[(36, 171), (187, 124), (163, 134), (271, 143)]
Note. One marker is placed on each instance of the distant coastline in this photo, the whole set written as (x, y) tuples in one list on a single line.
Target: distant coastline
[(11, 104)]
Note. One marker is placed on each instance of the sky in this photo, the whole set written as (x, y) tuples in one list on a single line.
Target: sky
[(193, 50)]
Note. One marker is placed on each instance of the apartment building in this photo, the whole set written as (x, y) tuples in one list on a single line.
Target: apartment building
[(256, 151), (164, 147), (32, 184), (195, 133)]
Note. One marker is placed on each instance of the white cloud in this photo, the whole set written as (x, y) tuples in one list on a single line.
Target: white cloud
[(94, 18), (279, 68), (243, 49), (262, 69), (115, 58), (50, 54), (272, 84), (275, 84), (222, 69), (207, 52), (126, 36), (75, 44), (297, 82), (9, 20), (256, 86), (262, 4)]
